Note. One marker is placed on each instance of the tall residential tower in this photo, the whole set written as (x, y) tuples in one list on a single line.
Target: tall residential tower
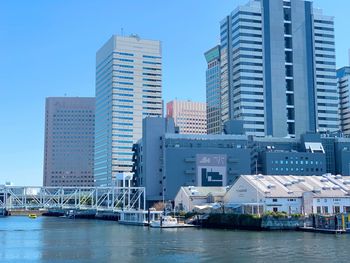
[(69, 141), (128, 88), (278, 68)]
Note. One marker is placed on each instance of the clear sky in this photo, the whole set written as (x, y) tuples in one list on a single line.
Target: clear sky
[(47, 48)]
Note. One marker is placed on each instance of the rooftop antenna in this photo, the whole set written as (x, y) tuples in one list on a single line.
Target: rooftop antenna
[(122, 31)]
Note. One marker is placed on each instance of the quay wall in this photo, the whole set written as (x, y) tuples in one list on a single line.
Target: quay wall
[(233, 221), (272, 223), (251, 222), (26, 212)]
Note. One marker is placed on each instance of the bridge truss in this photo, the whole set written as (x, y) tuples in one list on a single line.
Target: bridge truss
[(111, 199)]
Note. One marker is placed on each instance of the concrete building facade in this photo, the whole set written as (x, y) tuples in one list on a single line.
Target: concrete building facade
[(190, 117), (128, 88), (69, 141), (278, 68)]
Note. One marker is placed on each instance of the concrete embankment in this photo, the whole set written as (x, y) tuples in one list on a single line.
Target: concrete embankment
[(26, 212), (272, 223), (83, 214), (250, 222), (232, 221)]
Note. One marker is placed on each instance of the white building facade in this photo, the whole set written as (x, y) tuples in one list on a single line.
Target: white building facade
[(190, 197), (128, 88), (291, 194)]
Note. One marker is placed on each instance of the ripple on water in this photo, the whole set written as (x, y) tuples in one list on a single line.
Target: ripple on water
[(62, 240)]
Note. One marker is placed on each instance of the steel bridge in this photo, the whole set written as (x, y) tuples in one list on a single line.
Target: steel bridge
[(109, 199)]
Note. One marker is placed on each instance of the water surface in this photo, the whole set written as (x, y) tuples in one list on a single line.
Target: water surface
[(64, 240)]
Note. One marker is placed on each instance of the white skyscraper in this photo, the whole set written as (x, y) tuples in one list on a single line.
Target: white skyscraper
[(277, 67), (128, 88)]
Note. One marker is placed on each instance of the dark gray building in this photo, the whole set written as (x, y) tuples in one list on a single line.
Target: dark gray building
[(69, 141), (164, 161), (289, 156), (337, 147)]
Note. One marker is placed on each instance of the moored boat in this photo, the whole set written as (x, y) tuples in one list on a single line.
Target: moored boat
[(168, 222), (32, 216)]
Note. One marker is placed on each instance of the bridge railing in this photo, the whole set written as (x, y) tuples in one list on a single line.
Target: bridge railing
[(97, 198)]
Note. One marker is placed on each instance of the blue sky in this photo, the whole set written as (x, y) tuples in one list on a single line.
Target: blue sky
[(47, 48)]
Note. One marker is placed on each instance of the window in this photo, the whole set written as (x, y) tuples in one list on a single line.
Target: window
[(325, 209), (336, 209), (346, 209), (275, 209), (274, 200), (318, 210)]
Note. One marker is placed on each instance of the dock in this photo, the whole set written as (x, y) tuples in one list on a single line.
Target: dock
[(322, 230)]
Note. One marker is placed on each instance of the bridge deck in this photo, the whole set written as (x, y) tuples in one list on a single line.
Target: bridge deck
[(83, 198)]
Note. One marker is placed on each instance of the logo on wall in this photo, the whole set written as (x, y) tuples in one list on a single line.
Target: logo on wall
[(211, 169)]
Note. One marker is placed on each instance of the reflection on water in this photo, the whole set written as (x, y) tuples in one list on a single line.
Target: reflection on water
[(64, 240)]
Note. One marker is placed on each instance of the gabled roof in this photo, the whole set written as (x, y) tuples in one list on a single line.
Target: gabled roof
[(202, 192)]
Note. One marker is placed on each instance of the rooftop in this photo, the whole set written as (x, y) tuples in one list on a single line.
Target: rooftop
[(204, 191), (295, 186)]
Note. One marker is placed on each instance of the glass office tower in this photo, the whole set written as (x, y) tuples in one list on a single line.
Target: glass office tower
[(213, 91), (128, 88), (343, 76), (278, 70)]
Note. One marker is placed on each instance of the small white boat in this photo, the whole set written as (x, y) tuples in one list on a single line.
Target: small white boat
[(168, 222)]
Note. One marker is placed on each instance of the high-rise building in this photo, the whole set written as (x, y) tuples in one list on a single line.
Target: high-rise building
[(343, 76), (69, 141), (278, 70), (128, 88), (213, 91), (190, 117)]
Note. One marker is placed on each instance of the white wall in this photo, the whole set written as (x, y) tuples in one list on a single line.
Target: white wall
[(242, 192), (331, 203), (189, 202), (288, 205)]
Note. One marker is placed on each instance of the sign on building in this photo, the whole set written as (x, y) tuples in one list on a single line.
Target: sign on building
[(211, 169)]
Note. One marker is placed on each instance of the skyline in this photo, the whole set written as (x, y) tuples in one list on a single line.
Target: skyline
[(70, 69)]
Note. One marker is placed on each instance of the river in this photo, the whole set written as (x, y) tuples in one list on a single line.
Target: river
[(65, 240)]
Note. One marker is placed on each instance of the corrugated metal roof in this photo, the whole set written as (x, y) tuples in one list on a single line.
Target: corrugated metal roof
[(295, 186), (197, 191)]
